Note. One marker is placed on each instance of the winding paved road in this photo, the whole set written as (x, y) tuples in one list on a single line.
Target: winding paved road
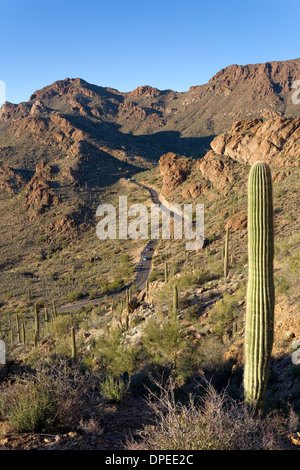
[(143, 269)]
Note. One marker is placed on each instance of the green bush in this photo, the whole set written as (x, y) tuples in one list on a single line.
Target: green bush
[(74, 296), (53, 396), (114, 388)]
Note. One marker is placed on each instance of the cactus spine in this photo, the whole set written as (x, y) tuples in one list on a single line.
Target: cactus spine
[(260, 291)]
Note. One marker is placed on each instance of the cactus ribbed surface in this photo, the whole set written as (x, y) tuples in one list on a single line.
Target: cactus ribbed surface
[(260, 290)]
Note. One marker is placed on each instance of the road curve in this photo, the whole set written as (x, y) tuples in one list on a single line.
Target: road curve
[(143, 269)]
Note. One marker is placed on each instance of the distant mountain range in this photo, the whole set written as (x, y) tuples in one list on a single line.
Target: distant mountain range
[(93, 135)]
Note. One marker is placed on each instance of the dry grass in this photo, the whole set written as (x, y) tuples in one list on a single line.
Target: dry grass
[(214, 422)]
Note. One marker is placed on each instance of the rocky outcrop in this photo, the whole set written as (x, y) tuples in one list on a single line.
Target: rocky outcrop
[(38, 108), (237, 222), (145, 90), (217, 170), (65, 128), (39, 194), (10, 180), (194, 190), (276, 141), (174, 170), (14, 111)]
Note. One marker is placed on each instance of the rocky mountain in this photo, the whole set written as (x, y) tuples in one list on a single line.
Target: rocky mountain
[(72, 139), (79, 126)]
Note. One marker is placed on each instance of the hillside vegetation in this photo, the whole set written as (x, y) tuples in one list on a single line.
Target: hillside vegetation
[(74, 375)]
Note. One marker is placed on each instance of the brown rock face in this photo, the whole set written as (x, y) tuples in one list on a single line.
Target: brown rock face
[(10, 181), (14, 111), (217, 170), (145, 91), (174, 169), (62, 225), (237, 222), (39, 195), (276, 141), (195, 189)]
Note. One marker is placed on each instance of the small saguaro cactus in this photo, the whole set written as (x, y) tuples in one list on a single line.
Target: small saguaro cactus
[(175, 302), (166, 272), (226, 253), (73, 343), (127, 322), (127, 301), (23, 334), (36, 320), (260, 290), (54, 310), (18, 328), (11, 336)]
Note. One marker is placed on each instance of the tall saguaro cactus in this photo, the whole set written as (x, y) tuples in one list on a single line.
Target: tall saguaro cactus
[(260, 290)]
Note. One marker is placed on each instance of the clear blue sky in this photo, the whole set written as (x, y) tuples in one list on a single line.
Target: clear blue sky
[(126, 43)]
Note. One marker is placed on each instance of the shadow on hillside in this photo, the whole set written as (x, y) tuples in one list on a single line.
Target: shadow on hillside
[(283, 388), (150, 146)]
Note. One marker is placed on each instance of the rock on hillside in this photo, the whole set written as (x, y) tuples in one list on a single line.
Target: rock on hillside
[(39, 194), (174, 170), (276, 141)]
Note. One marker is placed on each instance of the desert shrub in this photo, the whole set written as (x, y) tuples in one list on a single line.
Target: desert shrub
[(74, 296), (162, 341), (212, 422), (197, 277), (282, 285), (114, 388), (223, 313), (53, 396), (192, 312), (117, 284), (60, 326), (115, 355), (154, 276), (93, 293)]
